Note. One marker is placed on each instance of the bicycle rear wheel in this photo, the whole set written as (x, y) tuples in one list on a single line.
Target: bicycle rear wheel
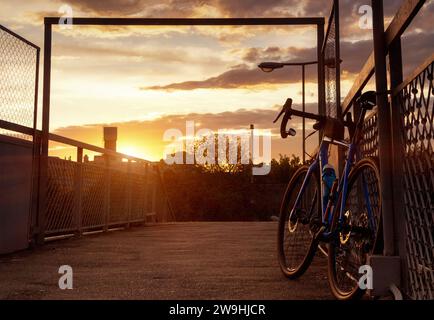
[(296, 244), (356, 235)]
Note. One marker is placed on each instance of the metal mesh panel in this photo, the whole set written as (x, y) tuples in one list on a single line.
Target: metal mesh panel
[(118, 196), (138, 197), (93, 196), (60, 195), (369, 144), (151, 193), (330, 71), (416, 104), (18, 66), (81, 190)]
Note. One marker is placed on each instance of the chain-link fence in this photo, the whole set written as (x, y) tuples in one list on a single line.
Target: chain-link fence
[(90, 196), (331, 62), (416, 102), (18, 81)]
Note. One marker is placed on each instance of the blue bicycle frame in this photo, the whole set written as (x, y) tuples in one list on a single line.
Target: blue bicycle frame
[(320, 161)]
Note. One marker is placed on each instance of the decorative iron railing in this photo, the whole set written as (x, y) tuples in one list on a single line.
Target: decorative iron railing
[(416, 101)]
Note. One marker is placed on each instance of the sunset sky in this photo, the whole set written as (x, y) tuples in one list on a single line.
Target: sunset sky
[(148, 79)]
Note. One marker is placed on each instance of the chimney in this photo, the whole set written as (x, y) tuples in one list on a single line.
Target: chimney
[(110, 137)]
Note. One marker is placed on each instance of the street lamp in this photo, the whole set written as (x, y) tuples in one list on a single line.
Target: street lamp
[(270, 66)]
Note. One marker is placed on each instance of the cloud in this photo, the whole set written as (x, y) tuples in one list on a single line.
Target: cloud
[(251, 8), (142, 8), (354, 55), (238, 77), (111, 7), (185, 8), (255, 55), (185, 55), (416, 48), (246, 76), (147, 136)]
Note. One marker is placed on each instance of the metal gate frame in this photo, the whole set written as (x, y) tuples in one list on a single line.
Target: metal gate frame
[(49, 22), (24, 131)]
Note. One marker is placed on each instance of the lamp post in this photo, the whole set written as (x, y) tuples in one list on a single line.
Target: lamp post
[(271, 66)]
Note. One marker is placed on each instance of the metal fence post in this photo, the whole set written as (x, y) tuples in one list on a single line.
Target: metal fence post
[(320, 71), (154, 199), (341, 153), (146, 193), (43, 164), (33, 232), (396, 78), (106, 192), (129, 193), (78, 191), (384, 127)]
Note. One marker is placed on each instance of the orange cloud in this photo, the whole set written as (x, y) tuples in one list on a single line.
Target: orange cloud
[(146, 137)]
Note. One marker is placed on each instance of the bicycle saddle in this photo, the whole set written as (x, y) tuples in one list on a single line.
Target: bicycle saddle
[(368, 100)]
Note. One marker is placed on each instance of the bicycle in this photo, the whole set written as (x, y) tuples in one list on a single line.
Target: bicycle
[(343, 213)]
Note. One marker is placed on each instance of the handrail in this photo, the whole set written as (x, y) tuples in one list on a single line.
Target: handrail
[(54, 137), (189, 21), (90, 147), (19, 37), (414, 74), (400, 22), (16, 127)]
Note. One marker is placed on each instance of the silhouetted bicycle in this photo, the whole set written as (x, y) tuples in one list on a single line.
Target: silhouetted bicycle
[(317, 207)]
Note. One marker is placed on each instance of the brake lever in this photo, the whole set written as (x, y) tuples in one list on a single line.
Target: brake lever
[(284, 109), (280, 114)]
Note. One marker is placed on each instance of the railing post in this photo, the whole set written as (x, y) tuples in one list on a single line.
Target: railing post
[(154, 198), (396, 78), (336, 12), (78, 186), (386, 267), (129, 193), (107, 181), (146, 192), (384, 127), (320, 71), (43, 163), (34, 227)]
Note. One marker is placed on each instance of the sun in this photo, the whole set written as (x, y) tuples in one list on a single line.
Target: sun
[(132, 151)]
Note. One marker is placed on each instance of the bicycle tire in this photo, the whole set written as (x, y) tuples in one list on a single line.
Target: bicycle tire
[(334, 246), (291, 190)]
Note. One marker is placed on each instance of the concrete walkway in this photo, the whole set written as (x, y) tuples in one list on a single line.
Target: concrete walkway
[(200, 260)]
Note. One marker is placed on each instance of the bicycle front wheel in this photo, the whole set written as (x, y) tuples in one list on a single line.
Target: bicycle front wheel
[(356, 233), (296, 244)]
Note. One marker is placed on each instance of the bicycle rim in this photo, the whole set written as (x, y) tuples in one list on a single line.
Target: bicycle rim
[(296, 245), (349, 249)]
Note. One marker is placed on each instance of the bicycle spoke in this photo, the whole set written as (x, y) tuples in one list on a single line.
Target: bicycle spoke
[(296, 234), (358, 230)]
